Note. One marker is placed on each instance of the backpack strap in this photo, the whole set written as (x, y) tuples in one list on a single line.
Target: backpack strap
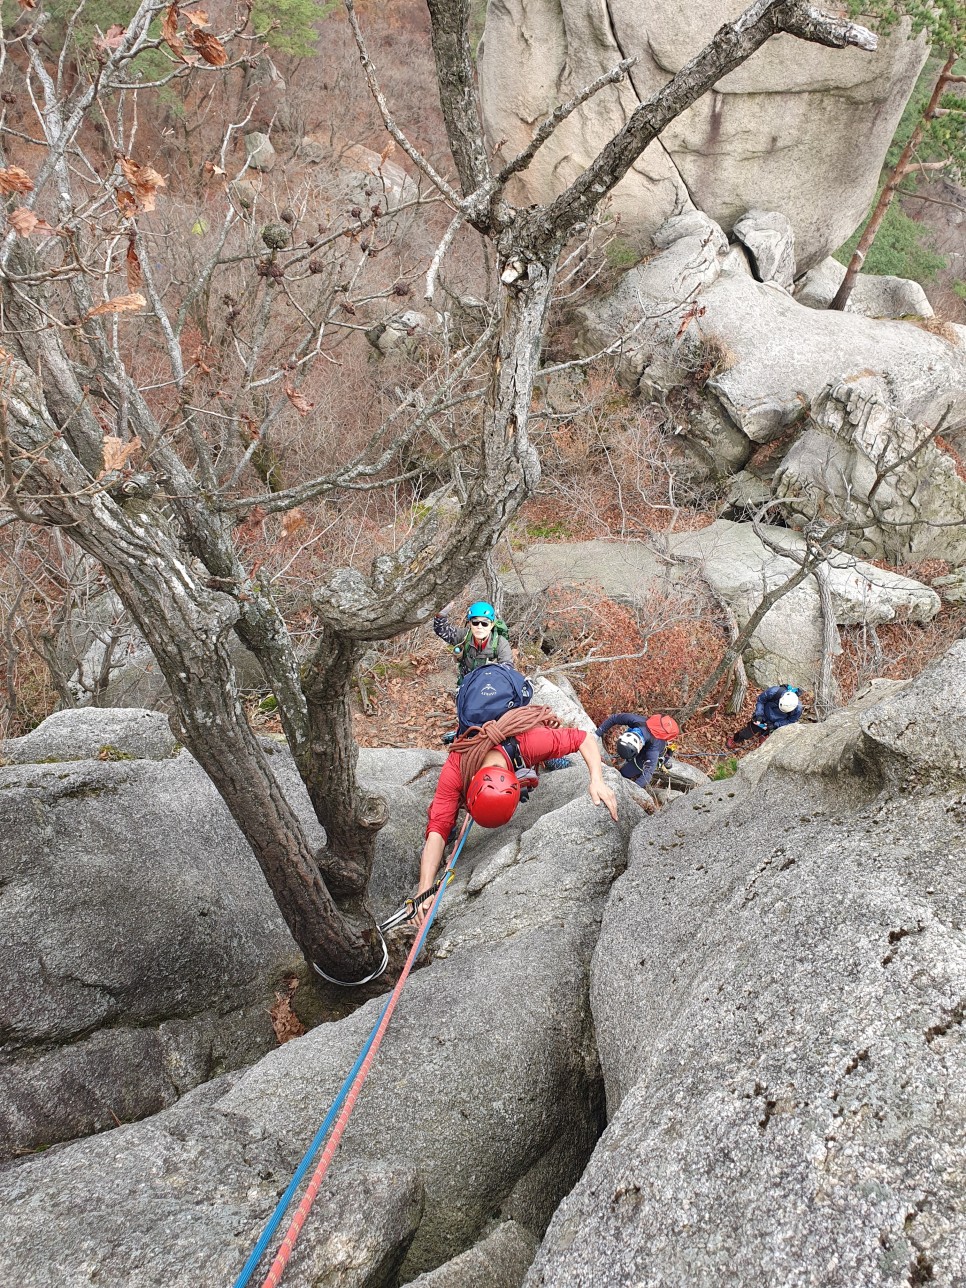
[(527, 776)]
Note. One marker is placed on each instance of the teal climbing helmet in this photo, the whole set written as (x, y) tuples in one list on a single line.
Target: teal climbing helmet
[(481, 609)]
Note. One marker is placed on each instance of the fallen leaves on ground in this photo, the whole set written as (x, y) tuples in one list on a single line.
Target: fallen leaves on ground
[(285, 1022)]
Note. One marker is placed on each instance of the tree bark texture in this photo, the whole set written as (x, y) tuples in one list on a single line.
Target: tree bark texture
[(186, 625)]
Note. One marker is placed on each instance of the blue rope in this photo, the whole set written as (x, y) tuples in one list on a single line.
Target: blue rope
[(284, 1202)]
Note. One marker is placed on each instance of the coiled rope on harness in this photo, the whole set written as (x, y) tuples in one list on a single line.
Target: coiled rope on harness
[(347, 1095)]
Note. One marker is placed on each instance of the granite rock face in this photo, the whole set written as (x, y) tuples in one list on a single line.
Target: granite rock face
[(846, 398), (778, 992), (860, 456), (875, 295), (798, 128), (141, 947), (484, 1102), (731, 558)]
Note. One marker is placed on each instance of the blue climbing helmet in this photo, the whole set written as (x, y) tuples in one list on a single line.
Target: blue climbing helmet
[(481, 609)]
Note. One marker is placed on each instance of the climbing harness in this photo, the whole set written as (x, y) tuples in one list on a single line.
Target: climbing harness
[(408, 910), (345, 1099), (356, 983)]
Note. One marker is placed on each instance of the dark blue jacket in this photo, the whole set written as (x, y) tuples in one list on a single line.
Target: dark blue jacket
[(766, 709), (641, 769)]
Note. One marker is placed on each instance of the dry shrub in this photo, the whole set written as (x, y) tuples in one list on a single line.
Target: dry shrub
[(677, 637), (895, 651), (946, 446), (938, 326), (608, 466)]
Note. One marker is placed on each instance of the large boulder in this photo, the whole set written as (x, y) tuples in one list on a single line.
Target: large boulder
[(140, 946), (778, 992), (875, 295), (757, 355), (798, 128), (786, 647), (484, 1102), (861, 458), (748, 365)]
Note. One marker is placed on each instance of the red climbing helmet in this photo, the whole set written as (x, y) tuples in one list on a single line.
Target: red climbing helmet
[(492, 796), (664, 727)]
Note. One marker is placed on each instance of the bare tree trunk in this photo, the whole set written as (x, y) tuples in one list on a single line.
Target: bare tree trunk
[(887, 195), (826, 692), (739, 684), (350, 815), (186, 625)]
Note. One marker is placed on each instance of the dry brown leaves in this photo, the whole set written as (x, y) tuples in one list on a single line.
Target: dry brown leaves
[(119, 304), (285, 1022), (298, 400), (133, 265), (117, 453), (126, 203), (13, 179), (209, 47), (292, 520), (169, 32), (145, 182), (112, 39), (24, 222)]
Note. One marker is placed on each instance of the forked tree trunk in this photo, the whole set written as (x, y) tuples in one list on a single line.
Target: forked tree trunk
[(186, 625)]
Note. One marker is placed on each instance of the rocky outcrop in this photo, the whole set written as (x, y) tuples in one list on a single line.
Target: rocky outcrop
[(484, 1101), (874, 295), (498, 1261), (770, 242), (850, 396), (778, 992), (798, 128), (141, 947), (860, 457), (786, 648), (259, 152)]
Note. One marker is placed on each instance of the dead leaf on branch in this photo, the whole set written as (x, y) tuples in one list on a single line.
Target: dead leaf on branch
[(169, 32), (692, 314), (210, 168), (13, 179), (27, 4), (197, 17), (126, 203), (117, 453), (144, 180), (209, 47), (387, 152), (24, 222), (298, 400), (292, 520), (119, 304), (134, 274), (112, 39)]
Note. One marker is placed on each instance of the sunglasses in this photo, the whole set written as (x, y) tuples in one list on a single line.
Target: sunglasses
[(480, 621)]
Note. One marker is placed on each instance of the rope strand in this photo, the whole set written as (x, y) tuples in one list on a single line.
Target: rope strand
[(347, 1095)]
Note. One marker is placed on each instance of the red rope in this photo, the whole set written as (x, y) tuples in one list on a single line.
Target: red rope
[(274, 1276)]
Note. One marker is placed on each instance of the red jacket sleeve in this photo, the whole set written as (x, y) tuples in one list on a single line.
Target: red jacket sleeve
[(546, 744), (446, 800)]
